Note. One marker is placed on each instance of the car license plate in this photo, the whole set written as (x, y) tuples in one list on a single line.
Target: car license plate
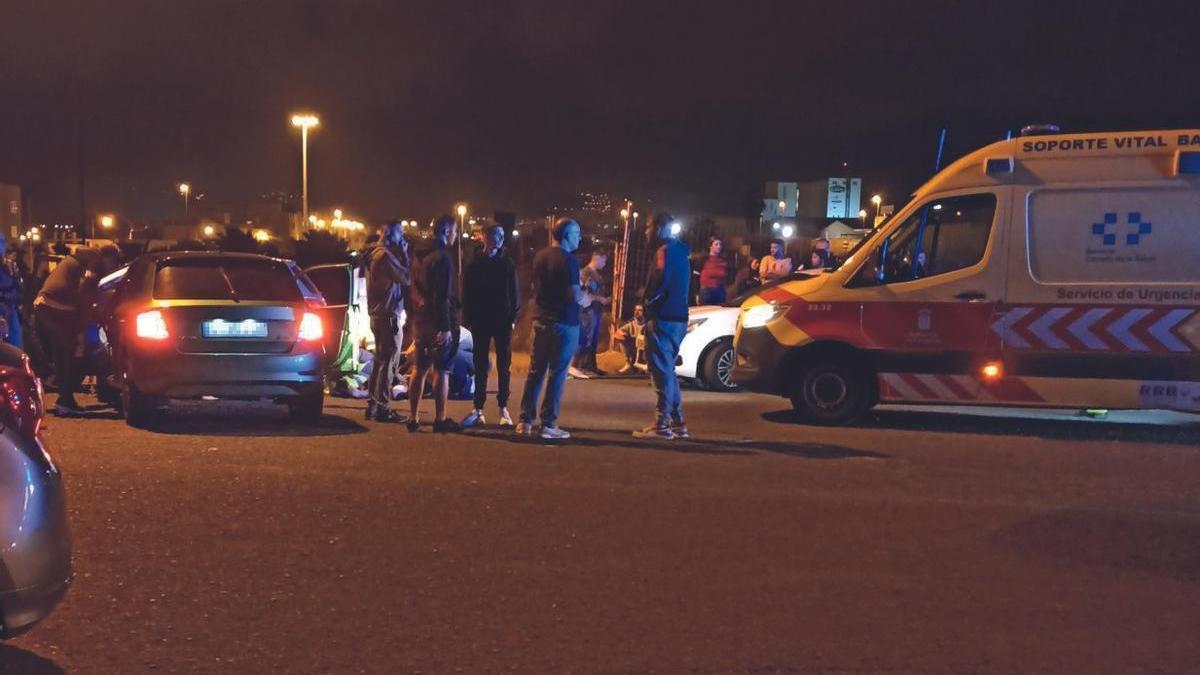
[(222, 329)]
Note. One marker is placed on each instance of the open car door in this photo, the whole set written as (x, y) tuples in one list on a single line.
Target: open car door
[(336, 283)]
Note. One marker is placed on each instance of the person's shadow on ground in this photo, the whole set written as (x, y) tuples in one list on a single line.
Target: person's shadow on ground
[(16, 661)]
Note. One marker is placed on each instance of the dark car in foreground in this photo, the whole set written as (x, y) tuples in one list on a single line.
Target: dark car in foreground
[(208, 325), (35, 543)]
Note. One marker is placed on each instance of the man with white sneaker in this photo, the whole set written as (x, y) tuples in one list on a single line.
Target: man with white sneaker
[(555, 329), (490, 306)]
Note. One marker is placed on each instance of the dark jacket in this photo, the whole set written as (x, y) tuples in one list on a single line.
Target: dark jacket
[(387, 275), (667, 291), (72, 284), (434, 303), (490, 296)]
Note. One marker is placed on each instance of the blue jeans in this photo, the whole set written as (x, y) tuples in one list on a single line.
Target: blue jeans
[(589, 338), (662, 348), (712, 296), (553, 346)]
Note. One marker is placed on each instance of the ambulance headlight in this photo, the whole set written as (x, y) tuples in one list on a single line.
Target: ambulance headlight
[(761, 315)]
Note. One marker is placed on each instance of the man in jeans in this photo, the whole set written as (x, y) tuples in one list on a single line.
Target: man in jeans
[(490, 305), (592, 282), (555, 328), (666, 306), (387, 275)]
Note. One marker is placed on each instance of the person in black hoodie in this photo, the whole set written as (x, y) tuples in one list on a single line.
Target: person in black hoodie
[(436, 327), (490, 306)]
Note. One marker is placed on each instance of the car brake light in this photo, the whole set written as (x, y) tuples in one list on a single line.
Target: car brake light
[(152, 326), (20, 401), (310, 327)]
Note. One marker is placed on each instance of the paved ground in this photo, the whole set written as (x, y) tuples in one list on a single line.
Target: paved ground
[(226, 540)]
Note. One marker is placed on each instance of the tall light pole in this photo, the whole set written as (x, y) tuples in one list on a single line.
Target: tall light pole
[(876, 200), (461, 210), (305, 122), (185, 190)]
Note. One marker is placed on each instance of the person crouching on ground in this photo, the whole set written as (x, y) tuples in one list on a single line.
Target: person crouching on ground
[(627, 338), (387, 276), (555, 329), (436, 324), (666, 306), (490, 306)]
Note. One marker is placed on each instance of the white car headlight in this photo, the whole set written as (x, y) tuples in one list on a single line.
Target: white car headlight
[(695, 323), (761, 315)]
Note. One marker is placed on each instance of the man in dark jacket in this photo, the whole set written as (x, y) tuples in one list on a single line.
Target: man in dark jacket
[(61, 313), (436, 327), (490, 305), (666, 306), (387, 276), (10, 296)]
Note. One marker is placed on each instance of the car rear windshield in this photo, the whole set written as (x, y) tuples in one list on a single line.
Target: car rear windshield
[(225, 279)]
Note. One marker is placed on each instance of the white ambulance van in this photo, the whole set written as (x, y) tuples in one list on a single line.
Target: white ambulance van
[(1057, 270)]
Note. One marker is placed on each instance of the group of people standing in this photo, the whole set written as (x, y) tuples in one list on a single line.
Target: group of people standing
[(567, 308)]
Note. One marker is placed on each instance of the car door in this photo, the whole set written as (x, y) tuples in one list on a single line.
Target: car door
[(931, 291), (335, 283)]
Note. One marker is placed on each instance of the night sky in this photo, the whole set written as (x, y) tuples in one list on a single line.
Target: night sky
[(508, 105)]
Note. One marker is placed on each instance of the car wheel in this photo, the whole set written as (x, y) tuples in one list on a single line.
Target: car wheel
[(137, 408), (717, 367), (307, 409), (830, 391)]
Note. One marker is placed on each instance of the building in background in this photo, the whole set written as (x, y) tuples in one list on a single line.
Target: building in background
[(811, 206)]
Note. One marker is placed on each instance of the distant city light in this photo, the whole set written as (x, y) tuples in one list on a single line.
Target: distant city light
[(208, 230), (788, 230), (106, 221), (262, 235), (337, 214)]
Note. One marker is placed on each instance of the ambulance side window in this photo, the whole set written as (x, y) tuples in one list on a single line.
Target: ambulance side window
[(942, 236)]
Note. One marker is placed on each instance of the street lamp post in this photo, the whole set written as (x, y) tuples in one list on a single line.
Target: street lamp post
[(876, 200), (862, 215), (305, 122), (461, 210), (185, 190)]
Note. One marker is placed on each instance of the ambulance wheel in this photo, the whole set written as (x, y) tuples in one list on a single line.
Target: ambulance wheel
[(830, 392)]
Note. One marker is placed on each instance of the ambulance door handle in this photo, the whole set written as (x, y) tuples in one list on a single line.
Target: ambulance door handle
[(970, 296)]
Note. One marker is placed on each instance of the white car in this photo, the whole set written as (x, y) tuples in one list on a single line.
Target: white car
[(706, 354)]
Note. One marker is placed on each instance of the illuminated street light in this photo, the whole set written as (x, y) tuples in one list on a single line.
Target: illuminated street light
[(876, 200), (624, 213), (305, 122), (782, 207), (862, 215), (775, 226), (261, 235), (185, 190), (337, 214), (208, 230), (788, 231)]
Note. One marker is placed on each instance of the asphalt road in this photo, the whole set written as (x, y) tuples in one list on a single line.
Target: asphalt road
[(226, 540)]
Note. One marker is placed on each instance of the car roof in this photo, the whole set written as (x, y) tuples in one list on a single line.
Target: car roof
[(162, 256)]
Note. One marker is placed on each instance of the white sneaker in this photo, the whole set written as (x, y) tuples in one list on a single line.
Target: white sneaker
[(524, 429), (577, 373), (554, 433), (474, 419), (505, 418)]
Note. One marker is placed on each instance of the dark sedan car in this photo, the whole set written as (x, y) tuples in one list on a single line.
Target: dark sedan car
[(206, 325)]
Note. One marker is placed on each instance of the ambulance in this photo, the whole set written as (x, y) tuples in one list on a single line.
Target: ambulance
[(1045, 270)]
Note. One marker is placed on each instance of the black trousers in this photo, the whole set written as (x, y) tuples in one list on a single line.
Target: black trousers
[(61, 331), (501, 338)]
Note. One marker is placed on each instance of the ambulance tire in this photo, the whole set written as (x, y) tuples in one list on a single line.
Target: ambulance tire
[(831, 391)]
